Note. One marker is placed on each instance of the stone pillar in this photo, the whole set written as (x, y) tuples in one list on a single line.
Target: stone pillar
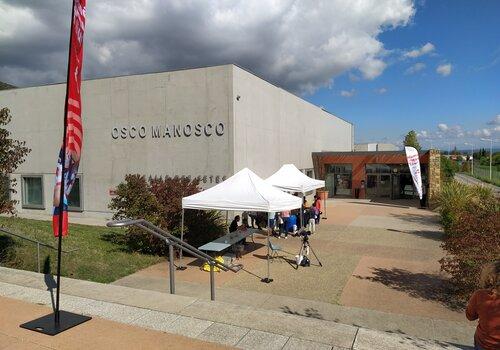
[(434, 175)]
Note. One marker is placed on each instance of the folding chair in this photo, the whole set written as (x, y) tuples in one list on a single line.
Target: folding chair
[(274, 249)]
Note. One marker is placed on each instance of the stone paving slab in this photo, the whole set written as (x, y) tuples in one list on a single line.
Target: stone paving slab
[(188, 326), (300, 344), (223, 334), (156, 320), (258, 340)]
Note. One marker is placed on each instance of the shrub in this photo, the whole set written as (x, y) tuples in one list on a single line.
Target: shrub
[(455, 197), (159, 200), (475, 241)]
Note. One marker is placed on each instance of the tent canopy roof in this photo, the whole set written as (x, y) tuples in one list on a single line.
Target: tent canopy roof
[(289, 178), (244, 191)]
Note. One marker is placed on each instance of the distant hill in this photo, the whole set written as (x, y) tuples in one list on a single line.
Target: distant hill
[(5, 86)]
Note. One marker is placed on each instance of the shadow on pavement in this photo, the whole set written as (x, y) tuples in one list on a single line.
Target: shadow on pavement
[(417, 285), (49, 280), (308, 312), (433, 235)]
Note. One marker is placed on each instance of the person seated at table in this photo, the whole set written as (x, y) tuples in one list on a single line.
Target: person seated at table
[(244, 217), (234, 224)]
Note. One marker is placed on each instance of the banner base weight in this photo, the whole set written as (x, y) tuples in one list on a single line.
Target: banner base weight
[(47, 324)]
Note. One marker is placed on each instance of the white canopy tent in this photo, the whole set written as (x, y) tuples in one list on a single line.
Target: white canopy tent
[(289, 178), (244, 191)]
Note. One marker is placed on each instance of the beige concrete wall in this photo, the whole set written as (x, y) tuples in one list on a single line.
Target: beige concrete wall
[(274, 127), (265, 128), (172, 98)]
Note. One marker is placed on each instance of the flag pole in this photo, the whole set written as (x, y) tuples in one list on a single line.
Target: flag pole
[(58, 322), (63, 166)]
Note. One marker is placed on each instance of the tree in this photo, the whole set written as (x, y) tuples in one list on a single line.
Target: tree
[(12, 154), (159, 200), (412, 141)]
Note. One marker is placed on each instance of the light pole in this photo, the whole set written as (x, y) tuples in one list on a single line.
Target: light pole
[(491, 150), (471, 158)]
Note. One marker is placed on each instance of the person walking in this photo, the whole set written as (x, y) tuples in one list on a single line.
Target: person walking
[(484, 305)]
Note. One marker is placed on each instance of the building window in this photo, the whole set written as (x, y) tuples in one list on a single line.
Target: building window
[(32, 192), (75, 202)]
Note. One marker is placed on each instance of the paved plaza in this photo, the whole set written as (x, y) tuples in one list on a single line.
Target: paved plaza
[(379, 288), (380, 270)]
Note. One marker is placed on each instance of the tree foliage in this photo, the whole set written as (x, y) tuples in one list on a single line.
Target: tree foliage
[(159, 200), (448, 168), (412, 141), (12, 154)]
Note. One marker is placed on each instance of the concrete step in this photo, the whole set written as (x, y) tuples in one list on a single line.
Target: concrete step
[(244, 327)]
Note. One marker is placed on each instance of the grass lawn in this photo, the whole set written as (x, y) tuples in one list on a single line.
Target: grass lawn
[(97, 258)]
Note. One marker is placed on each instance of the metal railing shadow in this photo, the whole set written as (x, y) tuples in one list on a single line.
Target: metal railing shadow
[(172, 242)]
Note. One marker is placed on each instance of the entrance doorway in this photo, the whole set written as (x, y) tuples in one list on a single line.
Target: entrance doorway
[(378, 186), (338, 180)]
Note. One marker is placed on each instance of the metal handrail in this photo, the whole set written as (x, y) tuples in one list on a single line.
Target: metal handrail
[(173, 241), (34, 241)]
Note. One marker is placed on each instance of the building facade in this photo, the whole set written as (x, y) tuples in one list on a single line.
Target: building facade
[(382, 174), (206, 122)]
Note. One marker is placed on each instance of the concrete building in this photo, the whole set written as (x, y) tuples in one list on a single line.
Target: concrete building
[(375, 175), (374, 147), (208, 122)]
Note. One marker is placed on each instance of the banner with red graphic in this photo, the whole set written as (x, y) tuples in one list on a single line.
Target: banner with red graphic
[(414, 165), (71, 154)]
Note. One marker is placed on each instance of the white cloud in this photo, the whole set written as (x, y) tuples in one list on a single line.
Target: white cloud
[(425, 49), (381, 91), (442, 127), (296, 44), (444, 69), (348, 93), (415, 68), (495, 121)]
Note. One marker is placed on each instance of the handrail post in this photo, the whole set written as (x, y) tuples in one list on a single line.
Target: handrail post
[(212, 282), (171, 266), (38, 255)]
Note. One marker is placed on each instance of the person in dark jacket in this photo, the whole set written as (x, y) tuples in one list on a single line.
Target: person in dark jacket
[(234, 224)]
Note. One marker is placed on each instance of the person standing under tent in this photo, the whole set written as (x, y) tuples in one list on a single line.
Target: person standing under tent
[(317, 204), (271, 219), (285, 215)]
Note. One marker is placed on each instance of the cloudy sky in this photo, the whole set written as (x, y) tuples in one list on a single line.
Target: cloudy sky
[(386, 65)]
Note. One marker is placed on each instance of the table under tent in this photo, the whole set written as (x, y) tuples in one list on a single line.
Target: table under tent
[(244, 191), (290, 179)]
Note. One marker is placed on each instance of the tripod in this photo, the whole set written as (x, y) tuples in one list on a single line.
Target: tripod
[(306, 248)]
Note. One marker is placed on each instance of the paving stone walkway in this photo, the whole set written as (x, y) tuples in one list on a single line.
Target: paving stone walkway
[(243, 327)]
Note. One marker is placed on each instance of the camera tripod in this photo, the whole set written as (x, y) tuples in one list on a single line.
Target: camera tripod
[(306, 248)]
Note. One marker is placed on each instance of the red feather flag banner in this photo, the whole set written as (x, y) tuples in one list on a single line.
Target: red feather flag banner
[(71, 150)]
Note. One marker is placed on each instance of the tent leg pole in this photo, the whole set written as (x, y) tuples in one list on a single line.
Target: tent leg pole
[(227, 219), (180, 267), (268, 279), (302, 223)]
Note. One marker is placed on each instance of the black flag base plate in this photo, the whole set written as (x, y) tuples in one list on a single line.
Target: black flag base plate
[(47, 324), (266, 280)]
